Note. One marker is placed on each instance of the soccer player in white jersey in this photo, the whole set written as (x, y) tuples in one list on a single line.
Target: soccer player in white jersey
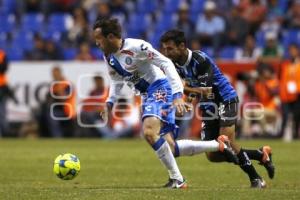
[(155, 76)]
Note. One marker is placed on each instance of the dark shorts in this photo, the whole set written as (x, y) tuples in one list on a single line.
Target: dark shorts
[(226, 116)]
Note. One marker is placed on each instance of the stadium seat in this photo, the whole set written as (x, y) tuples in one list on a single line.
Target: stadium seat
[(137, 24), (70, 53), (53, 35), (208, 50), (23, 40), (33, 22), (8, 6), (58, 22), (290, 36), (227, 52), (7, 23), (164, 22), (196, 6), (260, 38), (283, 4), (97, 53), (3, 40), (14, 53), (171, 6), (154, 38), (145, 6)]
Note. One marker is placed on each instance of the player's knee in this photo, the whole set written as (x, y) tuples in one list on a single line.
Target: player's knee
[(150, 132), (229, 132)]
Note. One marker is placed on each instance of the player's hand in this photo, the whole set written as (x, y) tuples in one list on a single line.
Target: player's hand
[(203, 90), (105, 114), (180, 106)]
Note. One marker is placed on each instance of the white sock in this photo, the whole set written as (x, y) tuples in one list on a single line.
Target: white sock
[(190, 147), (166, 157)]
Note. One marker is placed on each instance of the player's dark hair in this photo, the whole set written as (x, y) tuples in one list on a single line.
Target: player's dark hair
[(294, 44), (108, 26), (174, 35)]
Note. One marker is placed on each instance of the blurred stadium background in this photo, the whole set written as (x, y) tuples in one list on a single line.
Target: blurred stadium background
[(255, 42)]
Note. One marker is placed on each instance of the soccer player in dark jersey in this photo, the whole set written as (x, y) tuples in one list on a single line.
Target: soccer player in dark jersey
[(219, 102)]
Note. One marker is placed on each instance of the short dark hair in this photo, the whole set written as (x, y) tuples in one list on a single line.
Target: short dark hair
[(174, 35), (293, 44), (108, 26)]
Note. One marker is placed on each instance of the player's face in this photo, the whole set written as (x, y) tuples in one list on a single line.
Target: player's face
[(102, 42), (170, 50)]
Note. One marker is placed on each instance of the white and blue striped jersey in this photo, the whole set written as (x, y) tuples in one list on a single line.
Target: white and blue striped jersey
[(139, 64)]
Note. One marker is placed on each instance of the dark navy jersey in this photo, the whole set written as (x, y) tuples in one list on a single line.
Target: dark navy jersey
[(201, 71)]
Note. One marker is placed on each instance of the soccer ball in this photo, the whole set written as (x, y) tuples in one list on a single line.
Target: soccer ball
[(66, 166)]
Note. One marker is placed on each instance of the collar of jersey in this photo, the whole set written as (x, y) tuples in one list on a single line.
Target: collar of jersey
[(122, 44), (188, 60), (121, 47)]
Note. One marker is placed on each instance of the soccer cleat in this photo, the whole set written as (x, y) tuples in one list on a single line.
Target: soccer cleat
[(176, 184), (225, 147), (258, 183), (267, 161)]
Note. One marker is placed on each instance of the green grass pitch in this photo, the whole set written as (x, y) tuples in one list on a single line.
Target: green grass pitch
[(129, 169)]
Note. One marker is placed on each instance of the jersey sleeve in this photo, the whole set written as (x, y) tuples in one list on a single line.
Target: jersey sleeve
[(205, 70), (116, 85), (147, 53)]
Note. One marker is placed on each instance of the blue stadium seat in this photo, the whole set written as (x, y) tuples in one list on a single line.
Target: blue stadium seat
[(171, 6), (227, 52), (8, 6), (165, 22), (70, 53), (196, 6), (33, 22), (57, 22), (194, 16), (97, 53), (208, 50), (137, 24), (154, 38), (53, 35), (260, 38), (23, 40), (3, 40), (283, 4), (15, 53), (146, 6), (290, 36), (7, 23)]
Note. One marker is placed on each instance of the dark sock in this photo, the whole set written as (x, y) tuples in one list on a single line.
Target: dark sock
[(254, 154), (246, 165)]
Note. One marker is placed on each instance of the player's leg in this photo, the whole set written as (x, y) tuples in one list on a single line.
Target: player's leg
[(159, 119), (244, 161), (227, 121), (264, 156), (151, 130), (187, 147)]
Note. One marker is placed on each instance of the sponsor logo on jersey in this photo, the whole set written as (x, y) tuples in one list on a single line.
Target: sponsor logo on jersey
[(128, 60), (148, 108), (127, 52), (111, 62), (160, 95), (203, 76), (150, 55)]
